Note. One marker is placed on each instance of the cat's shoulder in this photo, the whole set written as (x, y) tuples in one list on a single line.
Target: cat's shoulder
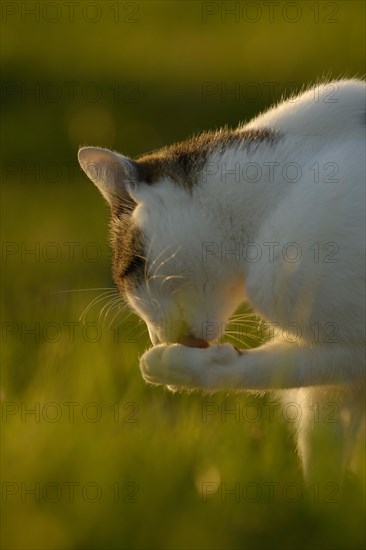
[(328, 108)]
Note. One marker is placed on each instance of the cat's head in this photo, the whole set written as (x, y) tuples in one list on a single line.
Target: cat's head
[(162, 233)]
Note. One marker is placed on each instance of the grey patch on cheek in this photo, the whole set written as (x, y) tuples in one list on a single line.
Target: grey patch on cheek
[(129, 263)]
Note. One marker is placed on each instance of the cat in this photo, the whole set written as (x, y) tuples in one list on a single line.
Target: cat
[(271, 214)]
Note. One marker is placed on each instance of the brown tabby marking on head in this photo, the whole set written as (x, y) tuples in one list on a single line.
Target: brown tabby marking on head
[(183, 161), (129, 262)]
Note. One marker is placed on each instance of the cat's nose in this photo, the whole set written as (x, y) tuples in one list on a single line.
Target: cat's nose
[(193, 342)]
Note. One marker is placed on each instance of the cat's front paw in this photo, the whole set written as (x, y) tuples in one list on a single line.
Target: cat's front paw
[(177, 365), (172, 364)]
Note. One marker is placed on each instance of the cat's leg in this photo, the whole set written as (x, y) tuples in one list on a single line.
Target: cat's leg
[(328, 421), (273, 366)]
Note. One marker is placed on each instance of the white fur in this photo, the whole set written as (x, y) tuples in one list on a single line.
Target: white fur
[(323, 138), (305, 292)]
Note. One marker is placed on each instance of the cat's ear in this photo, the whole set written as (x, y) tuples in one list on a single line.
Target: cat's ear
[(113, 174)]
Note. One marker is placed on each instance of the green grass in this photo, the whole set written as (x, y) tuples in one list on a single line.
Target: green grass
[(144, 453)]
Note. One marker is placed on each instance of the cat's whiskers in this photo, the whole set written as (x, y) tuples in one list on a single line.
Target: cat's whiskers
[(246, 319), (147, 268), (239, 340), (240, 325), (83, 290), (163, 279), (111, 294), (148, 277), (96, 300), (114, 302), (116, 315), (110, 300), (163, 262), (167, 277), (157, 258), (243, 334), (159, 266), (140, 299), (246, 316), (245, 325)]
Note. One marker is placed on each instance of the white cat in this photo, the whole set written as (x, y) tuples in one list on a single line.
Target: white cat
[(271, 214)]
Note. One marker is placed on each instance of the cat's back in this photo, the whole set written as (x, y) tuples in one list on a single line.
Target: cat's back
[(328, 109), (320, 218)]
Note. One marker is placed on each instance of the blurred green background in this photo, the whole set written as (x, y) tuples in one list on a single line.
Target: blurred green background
[(114, 463)]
